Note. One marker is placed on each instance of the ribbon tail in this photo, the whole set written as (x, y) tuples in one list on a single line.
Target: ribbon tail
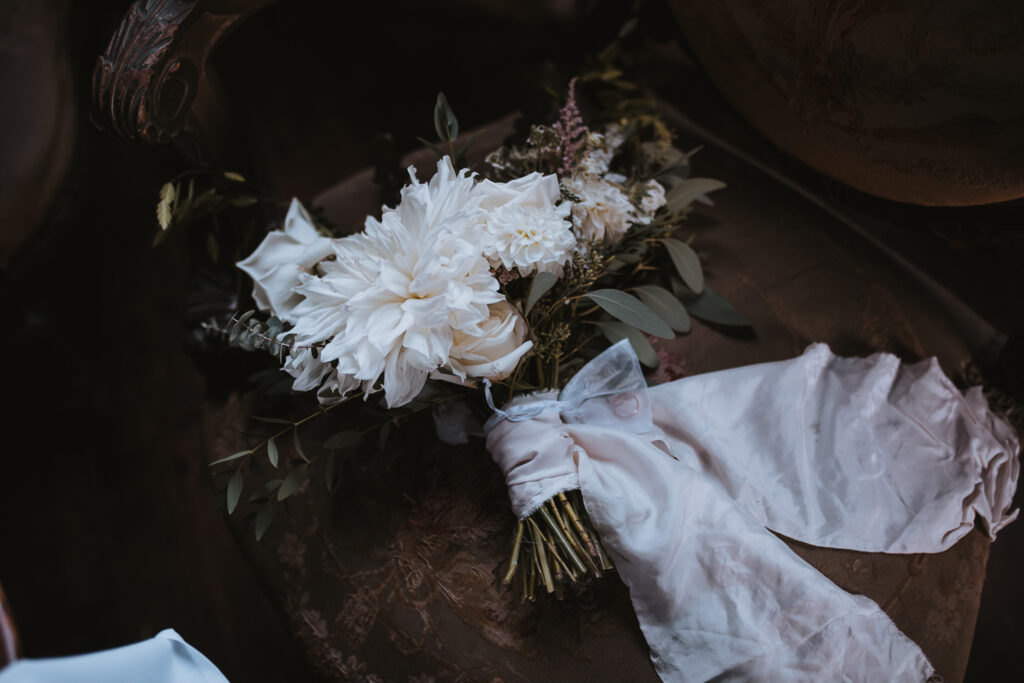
[(716, 594), (860, 453)]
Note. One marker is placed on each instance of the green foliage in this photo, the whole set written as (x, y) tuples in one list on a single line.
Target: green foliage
[(711, 307), (445, 123), (687, 263), (631, 311), (665, 304), (541, 283), (197, 195), (616, 331)]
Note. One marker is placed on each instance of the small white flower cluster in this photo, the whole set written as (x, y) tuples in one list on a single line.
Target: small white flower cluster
[(414, 293), (605, 211)]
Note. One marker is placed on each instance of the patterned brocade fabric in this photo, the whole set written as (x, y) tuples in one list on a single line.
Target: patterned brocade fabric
[(396, 576)]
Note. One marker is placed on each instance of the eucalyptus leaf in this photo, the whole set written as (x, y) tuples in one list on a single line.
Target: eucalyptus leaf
[(631, 311), (234, 490), (233, 456), (293, 481), (235, 333), (212, 248), (263, 519), (540, 285), (272, 451), (687, 263), (272, 420), (666, 305), (685, 192), (628, 257), (711, 307), (245, 316), (343, 439), (265, 491), (445, 123), (616, 331), (298, 445), (628, 27), (329, 471)]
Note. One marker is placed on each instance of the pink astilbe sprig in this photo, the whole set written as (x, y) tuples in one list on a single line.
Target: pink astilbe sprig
[(571, 129)]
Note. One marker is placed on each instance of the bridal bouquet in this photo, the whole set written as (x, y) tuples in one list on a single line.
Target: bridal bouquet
[(501, 283), (504, 278)]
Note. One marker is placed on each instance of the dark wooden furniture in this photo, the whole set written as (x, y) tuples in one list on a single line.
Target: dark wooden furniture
[(154, 84), (10, 648)]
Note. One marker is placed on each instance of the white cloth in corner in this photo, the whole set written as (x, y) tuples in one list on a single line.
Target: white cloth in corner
[(165, 658), (863, 454)]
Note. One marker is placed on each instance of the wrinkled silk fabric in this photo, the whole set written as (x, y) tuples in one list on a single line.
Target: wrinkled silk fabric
[(863, 454)]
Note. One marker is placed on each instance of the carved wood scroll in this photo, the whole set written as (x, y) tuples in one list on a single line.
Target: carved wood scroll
[(154, 84)]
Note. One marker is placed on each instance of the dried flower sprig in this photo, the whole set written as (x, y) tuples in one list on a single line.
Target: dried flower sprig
[(572, 131)]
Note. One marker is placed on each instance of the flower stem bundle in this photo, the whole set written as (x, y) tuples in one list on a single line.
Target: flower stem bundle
[(556, 547)]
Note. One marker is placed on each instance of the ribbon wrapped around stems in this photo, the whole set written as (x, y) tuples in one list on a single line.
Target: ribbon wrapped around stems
[(683, 481)]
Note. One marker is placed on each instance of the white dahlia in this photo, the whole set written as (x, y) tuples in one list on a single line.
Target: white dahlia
[(523, 227), (394, 297)]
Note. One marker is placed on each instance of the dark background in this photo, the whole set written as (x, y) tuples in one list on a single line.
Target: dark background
[(108, 531)]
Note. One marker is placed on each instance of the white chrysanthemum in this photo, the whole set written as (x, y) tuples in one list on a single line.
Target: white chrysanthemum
[(603, 212)]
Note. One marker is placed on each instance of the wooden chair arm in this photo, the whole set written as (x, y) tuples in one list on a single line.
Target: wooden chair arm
[(154, 83)]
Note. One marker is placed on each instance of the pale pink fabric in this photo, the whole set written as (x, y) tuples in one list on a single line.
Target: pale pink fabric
[(863, 454)]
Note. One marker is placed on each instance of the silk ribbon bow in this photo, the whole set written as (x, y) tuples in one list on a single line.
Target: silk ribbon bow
[(683, 481)]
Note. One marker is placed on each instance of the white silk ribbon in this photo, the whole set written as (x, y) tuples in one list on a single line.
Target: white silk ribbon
[(683, 480)]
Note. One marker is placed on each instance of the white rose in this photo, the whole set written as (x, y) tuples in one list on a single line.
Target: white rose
[(495, 348), (281, 258), (603, 212)]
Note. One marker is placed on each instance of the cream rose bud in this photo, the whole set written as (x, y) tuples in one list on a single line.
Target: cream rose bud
[(282, 256), (494, 349)]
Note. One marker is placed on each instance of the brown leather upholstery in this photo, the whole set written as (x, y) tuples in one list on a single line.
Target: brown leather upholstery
[(396, 574)]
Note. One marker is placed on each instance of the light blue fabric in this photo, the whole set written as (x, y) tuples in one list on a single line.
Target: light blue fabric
[(165, 658)]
